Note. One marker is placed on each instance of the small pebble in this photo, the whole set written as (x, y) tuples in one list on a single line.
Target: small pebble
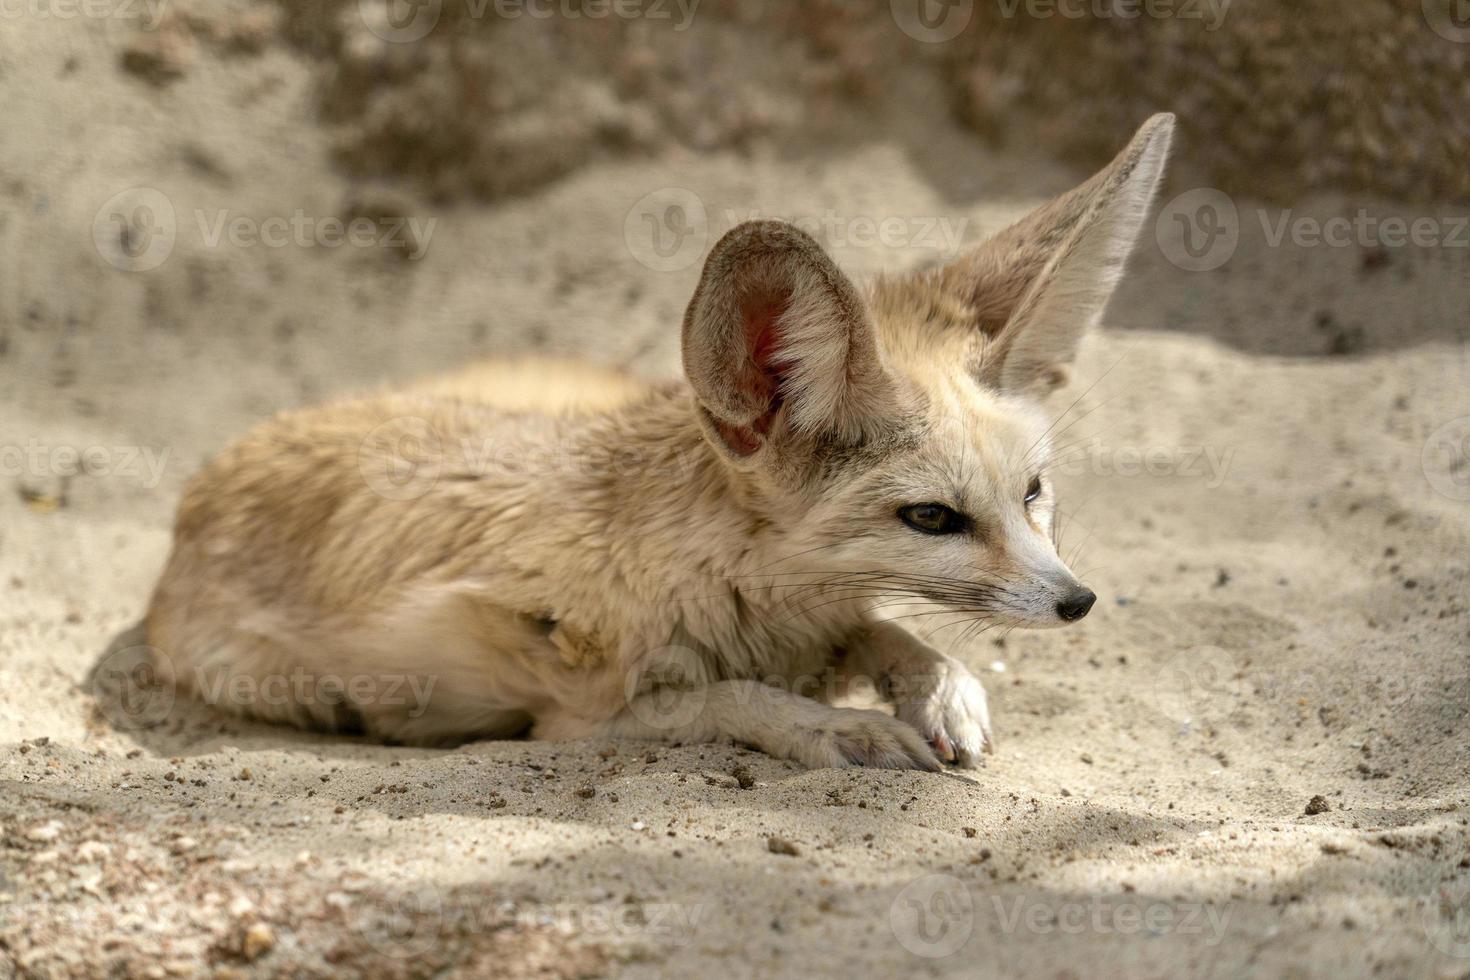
[(780, 845), (45, 833), (258, 940)]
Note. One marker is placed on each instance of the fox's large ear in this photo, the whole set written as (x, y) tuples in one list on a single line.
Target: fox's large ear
[(1040, 284), (777, 339)]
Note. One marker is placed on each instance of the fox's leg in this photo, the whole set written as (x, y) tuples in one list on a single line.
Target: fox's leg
[(779, 723), (935, 693)]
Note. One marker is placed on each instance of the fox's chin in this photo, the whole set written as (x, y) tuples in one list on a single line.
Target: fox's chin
[(1024, 620)]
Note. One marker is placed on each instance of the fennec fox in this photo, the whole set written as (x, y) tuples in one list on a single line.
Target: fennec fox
[(704, 560)]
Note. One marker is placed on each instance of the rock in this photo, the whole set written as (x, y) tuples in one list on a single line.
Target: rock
[(780, 845), (158, 57), (1316, 805), (92, 850), (45, 833), (257, 940)]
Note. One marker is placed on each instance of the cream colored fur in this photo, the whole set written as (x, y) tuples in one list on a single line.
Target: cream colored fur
[(558, 549)]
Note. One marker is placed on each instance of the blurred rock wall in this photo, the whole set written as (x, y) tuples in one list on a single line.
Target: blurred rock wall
[(483, 98)]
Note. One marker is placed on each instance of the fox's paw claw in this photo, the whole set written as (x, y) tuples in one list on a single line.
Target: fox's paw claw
[(952, 714), (863, 738)]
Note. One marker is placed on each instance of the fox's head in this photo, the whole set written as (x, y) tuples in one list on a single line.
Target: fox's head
[(892, 440)]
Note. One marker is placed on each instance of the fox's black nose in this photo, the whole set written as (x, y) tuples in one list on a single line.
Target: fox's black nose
[(1075, 607)]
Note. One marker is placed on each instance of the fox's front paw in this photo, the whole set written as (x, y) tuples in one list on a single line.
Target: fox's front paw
[(851, 737), (948, 708)]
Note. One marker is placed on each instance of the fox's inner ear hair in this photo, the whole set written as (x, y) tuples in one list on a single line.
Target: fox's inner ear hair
[(1037, 286), (777, 339)]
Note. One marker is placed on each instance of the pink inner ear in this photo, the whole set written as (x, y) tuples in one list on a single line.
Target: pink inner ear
[(761, 336), (763, 341), (763, 385)]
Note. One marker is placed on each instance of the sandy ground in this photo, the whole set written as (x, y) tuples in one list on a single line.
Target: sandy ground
[(1263, 499)]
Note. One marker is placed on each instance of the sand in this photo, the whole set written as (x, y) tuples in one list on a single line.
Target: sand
[(1249, 759)]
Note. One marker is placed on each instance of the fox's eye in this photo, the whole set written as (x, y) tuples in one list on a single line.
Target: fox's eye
[(932, 519), (1034, 490)]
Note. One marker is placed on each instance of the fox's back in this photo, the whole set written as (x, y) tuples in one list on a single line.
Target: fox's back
[(540, 385)]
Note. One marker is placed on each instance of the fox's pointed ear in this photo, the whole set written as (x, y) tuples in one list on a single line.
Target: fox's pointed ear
[(777, 340), (1037, 286)]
